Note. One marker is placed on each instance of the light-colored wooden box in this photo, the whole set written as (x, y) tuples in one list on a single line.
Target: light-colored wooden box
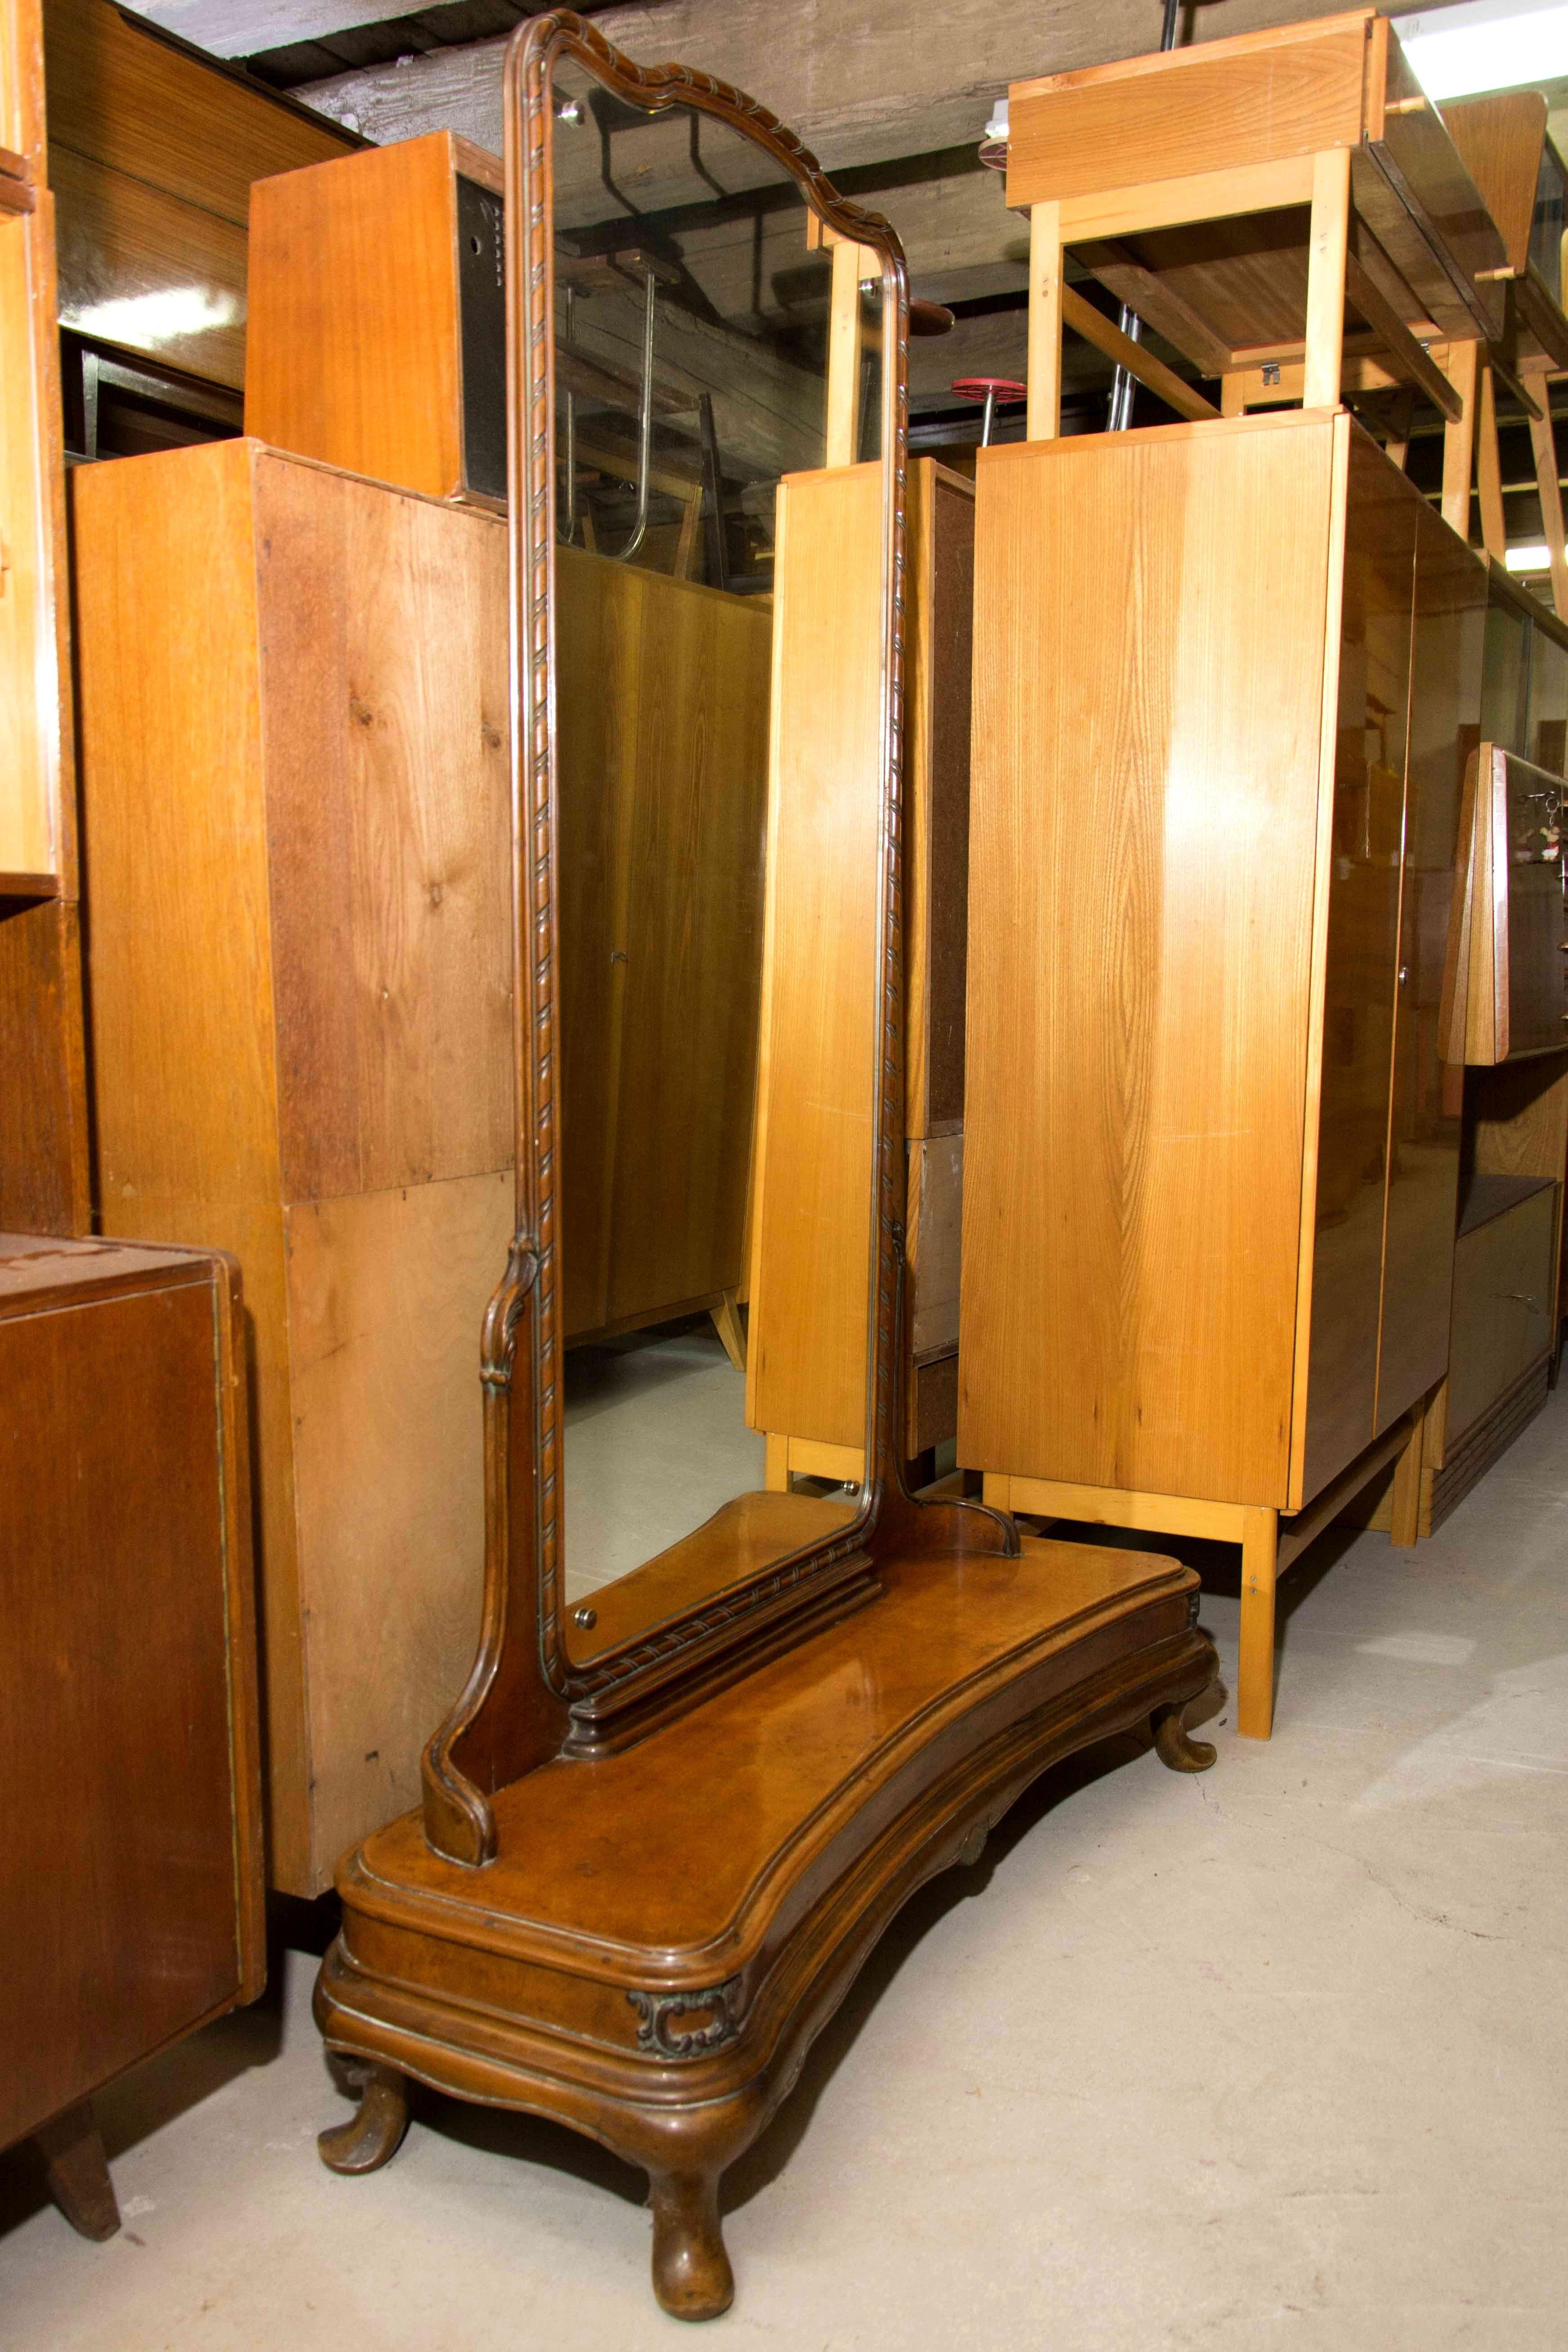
[(294, 758), (377, 334), (1220, 676)]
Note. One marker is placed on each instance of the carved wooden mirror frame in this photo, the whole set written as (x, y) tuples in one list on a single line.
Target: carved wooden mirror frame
[(525, 1700)]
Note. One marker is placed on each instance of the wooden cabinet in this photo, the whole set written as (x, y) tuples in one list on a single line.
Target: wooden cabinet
[(1220, 676), (294, 719), (130, 1857), (1510, 978), (378, 316)]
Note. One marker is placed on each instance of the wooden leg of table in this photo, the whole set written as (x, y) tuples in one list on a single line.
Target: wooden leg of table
[(776, 1469), (731, 1329), (1260, 1559), (78, 2173), (1460, 439), (1404, 1524), (1326, 276), (1043, 415), (1233, 394), (1549, 483), (1489, 471)]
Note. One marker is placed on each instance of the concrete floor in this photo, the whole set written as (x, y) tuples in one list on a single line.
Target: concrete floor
[(1271, 2057)]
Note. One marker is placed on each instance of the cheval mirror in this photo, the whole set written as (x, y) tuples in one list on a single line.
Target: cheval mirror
[(725, 1715)]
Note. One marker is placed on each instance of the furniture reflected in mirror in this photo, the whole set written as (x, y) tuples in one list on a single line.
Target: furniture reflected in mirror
[(715, 1733), (293, 730), (130, 1863)]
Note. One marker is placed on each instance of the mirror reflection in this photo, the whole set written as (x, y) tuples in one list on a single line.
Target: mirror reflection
[(708, 348)]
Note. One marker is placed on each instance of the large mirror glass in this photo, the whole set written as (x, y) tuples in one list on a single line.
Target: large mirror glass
[(715, 358)]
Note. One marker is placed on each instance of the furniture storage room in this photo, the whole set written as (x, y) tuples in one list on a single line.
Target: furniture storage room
[(783, 1173)]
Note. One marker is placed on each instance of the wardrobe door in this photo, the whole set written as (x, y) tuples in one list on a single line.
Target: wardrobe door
[(1446, 660), (1362, 961)]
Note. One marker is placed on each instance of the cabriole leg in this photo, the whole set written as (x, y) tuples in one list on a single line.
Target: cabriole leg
[(1174, 1746), (370, 2139), (78, 2173), (692, 2273)]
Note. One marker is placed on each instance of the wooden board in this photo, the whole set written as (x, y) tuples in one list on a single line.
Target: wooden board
[(35, 789), (1447, 656), (44, 1171), (1504, 1303), (1500, 138), (389, 869), (1346, 1197), (143, 268), (131, 1877), (1142, 816), (940, 617), (807, 1368)]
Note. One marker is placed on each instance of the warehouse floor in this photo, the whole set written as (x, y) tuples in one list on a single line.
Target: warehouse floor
[(1270, 2057)]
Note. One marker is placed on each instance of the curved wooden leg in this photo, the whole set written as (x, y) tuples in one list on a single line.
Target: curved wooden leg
[(692, 2273), (1182, 1753), (77, 2172), (370, 2139)]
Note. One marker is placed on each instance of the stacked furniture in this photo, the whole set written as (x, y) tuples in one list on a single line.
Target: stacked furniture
[(1213, 1163)]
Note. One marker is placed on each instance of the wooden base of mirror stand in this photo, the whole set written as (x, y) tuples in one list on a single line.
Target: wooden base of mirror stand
[(663, 1932)]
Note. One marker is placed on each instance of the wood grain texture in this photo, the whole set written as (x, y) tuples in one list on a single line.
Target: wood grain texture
[(35, 773), (1140, 817), (745, 1536), (143, 268), (1446, 658), (356, 344), (806, 1370), (1253, 99), (1504, 1306), (939, 619), (388, 819), (932, 1245), (131, 1877), (45, 1173), (281, 773), (1500, 140)]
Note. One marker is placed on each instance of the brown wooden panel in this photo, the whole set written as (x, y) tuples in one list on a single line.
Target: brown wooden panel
[(118, 1875), (354, 288), (1143, 819), (143, 268), (811, 1232), (120, 96), (940, 621), (1447, 656), (1499, 140), (1503, 1306), (932, 1245), (1252, 99), (35, 789), (44, 1171), (387, 1297), (383, 671), (1361, 974)]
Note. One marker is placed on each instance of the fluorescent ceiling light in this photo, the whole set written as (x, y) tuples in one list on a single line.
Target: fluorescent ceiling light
[(1537, 558), (1485, 44)]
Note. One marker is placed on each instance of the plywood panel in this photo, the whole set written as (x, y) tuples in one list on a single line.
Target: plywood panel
[(1143, 832), (142, 268), (1446, 657), (1362, 969), (384, 678), (811, 1234), (940, 621), (387, 1297)]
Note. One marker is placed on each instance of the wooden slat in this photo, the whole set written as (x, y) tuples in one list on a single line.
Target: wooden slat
[(1047, 287), (1097, 329), (1326, 276), (1463, 367), (1488, 470), (1157, 303), (1124, 210), (1540, 316), (1410, 361), (1548, 482)]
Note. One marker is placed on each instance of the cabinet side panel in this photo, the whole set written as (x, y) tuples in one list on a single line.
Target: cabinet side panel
[(117, 1881), (811, 1232), (386, 1298), (1143, 823), (1423, 1145), (952, 643), (385, 690), (1361, 974)]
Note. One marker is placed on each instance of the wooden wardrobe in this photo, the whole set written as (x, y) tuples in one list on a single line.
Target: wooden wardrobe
[(1225, 674)]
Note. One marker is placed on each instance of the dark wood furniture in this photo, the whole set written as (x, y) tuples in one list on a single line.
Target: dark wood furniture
[(131, 1854), (640, 1883)]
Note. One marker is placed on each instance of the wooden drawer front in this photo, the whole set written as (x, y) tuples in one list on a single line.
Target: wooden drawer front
[(1502, 1321)]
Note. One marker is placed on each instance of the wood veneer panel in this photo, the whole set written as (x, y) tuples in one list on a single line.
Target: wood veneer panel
[(33, 761), (1144, 817), (939, 607), (811, 1228), (355, 261), (1255, 100), (118, 1874), (143, 267), (1447, 656), (1361, 964), (43, 1172), (386, 1298), (384, 675), (1499, 140)]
